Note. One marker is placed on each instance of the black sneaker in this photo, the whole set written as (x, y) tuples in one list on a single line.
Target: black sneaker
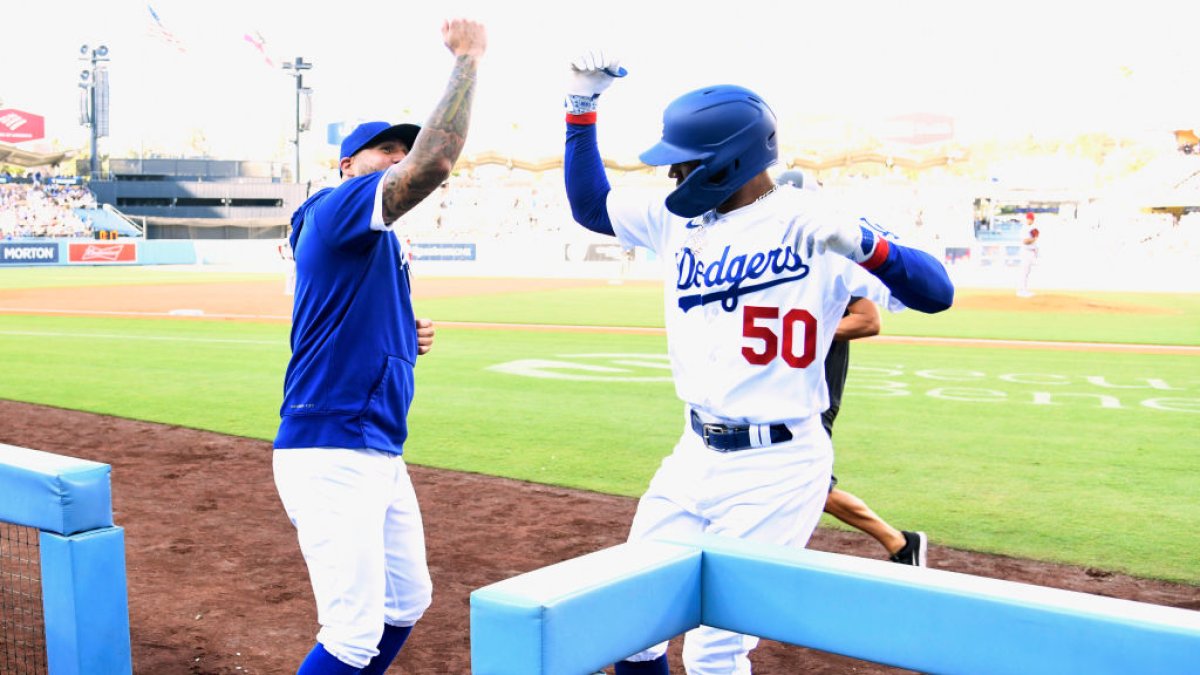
[(913, 553)]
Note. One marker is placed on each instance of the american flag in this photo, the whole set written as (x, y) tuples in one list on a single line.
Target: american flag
[(160, 31), (257, 41)]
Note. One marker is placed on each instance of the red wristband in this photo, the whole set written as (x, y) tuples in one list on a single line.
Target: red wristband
[(878, 256), (585, 118)]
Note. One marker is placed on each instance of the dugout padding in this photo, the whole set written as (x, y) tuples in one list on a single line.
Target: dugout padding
[(81, 557), (936, 621), (571, 617), (916, 618)]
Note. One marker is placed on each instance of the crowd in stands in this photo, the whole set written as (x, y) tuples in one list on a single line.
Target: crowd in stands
[(935, 214), (37, 209), (473, 208), (1163, 240)]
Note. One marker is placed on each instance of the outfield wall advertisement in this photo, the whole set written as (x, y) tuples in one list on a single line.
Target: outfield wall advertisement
[(584, 255), (29, 253), (463, 251), (103, 253), (90, 252)]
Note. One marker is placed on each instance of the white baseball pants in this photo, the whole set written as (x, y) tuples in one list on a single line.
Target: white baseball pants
[(773, 494), (360, 530)]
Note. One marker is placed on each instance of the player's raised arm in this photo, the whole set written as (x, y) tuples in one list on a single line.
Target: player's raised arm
[(583, 169), (914, 277), (442, 137)]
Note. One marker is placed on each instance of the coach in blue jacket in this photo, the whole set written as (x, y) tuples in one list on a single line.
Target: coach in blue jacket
[(338, 452)]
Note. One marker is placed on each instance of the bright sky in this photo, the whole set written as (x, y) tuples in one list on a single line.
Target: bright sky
[(1000, 69)]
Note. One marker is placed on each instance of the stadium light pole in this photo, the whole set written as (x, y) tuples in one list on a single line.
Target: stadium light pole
[(298, 67), (89, 82)]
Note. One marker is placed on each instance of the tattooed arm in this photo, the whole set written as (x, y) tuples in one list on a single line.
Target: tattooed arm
[(441, 140)]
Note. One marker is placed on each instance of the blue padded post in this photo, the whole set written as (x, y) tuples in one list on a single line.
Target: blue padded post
[(582, 614), (933, 620), (53, 493), (85, 603)]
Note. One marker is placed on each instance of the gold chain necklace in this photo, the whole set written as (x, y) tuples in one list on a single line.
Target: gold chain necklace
[(765, 195)]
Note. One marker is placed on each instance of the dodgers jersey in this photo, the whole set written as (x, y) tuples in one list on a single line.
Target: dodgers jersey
[(749, 315), (349, 382)]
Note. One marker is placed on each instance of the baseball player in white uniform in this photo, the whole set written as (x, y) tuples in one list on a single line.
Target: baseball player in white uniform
[(1029, 253), (755, 283)]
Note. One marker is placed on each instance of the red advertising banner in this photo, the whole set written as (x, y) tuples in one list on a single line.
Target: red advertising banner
[(18, 126), (98, 254)]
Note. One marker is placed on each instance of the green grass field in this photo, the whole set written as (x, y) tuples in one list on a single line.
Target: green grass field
[(1163, 319), (1084, 457)]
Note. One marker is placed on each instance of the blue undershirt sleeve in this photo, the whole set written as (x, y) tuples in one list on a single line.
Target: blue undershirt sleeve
[(587, 184), (916, 278)]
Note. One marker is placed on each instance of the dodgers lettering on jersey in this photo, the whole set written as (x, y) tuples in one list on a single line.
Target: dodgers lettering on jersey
[(749, 318), (727, 274)]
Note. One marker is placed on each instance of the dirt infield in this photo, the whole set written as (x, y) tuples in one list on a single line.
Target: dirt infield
[(217, 585)]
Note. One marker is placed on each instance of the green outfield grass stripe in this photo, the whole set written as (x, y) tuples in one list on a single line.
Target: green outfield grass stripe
[(495, 325), (127, 336), (902, 339), (1125, 318), (965, 342), (1034, 344)]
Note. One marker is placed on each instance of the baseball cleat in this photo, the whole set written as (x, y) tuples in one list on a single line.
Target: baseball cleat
[(913, 553)]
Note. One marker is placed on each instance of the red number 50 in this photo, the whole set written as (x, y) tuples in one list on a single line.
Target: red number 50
[(771, 342)]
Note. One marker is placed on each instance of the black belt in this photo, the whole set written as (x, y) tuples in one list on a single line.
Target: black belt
[(729, 438)]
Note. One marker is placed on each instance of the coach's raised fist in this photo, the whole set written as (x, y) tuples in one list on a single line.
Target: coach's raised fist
[(464, 37)]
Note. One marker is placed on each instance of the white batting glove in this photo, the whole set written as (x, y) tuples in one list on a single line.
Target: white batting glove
[(840, 235), (591, 74)]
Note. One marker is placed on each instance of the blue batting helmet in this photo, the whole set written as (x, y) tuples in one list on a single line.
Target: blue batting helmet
[(730, 130)]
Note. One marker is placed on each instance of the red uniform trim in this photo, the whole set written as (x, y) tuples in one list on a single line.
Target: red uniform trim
[(585, 118), (878, 256)]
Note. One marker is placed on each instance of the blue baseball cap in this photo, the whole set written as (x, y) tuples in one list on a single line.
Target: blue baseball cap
[(372, 133)]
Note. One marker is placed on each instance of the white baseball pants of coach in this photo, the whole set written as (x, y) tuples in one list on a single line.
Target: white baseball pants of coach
[(773, 494), (360, 530)]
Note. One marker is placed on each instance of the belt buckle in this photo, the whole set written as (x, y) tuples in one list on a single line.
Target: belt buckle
[(710, 428)]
